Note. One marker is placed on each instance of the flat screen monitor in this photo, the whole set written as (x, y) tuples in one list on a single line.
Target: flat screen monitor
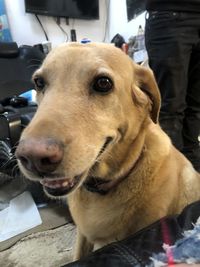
[(79, 9)]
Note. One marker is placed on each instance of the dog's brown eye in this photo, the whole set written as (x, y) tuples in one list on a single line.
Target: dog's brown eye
[(40, 83), (102, 84)]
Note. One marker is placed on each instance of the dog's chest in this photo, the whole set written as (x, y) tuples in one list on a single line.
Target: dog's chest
[(96, 218)]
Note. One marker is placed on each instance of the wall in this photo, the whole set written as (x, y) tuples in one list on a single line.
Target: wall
[(117, 17), (131, 28), (26, 30), (119, 23)]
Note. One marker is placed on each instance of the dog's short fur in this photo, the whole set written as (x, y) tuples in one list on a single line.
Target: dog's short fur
[(110, 136)]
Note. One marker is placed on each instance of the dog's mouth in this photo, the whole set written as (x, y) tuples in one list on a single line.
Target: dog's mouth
[(61, 186), (107, 142), (58, 187)]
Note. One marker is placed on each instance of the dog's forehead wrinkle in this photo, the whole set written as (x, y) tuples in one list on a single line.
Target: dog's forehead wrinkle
[(74, 76), (92, 53)]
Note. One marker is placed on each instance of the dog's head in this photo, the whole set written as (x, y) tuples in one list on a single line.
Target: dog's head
[(93, 100)]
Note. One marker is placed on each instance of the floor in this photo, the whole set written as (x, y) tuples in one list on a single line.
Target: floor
[(47, 245), (51, 248)]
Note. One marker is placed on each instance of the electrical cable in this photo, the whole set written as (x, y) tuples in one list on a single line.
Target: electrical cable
[(42, 27), (61, 28), (107, 19), (73, 23)]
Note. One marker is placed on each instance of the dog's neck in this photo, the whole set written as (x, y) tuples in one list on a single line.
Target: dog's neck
[(103, 186)]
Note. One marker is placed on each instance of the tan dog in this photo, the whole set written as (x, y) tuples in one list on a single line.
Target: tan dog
[(95, 139)]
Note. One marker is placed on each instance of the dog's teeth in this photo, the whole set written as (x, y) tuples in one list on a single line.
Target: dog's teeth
[(66, 183), (50, 185), (57, 184), (71, 184)]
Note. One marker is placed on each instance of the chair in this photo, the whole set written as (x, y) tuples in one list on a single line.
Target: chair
[(17, 65)]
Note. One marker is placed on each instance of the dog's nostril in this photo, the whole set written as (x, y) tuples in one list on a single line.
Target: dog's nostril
[(46, 161), (26, 162)]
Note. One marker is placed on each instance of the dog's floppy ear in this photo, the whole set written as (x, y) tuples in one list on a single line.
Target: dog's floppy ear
[(147, 83)]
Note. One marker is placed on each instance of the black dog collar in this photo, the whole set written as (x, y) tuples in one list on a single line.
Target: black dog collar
[(102, 186), (93, 185)]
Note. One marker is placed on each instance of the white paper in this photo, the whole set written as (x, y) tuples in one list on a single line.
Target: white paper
[(21, 215)]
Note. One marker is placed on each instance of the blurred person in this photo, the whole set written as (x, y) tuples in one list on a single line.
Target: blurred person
[(172, 37)]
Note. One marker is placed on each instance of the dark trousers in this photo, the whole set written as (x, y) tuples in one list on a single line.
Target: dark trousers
[(173, 46)]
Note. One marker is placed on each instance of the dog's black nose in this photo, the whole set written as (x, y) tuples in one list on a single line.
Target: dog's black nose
[(41, 155)]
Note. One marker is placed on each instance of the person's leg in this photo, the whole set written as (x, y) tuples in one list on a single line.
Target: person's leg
[(191, 124), (169, 51)]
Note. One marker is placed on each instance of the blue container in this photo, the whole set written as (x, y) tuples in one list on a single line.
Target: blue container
[(85, 41)]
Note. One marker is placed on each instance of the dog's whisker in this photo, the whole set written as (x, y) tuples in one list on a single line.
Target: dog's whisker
[(33, 66), (24, 125), (15, 145), (35, 60), (8, 162), (15, 170)]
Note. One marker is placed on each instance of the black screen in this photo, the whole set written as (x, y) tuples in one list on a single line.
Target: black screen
[(81, 9)]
